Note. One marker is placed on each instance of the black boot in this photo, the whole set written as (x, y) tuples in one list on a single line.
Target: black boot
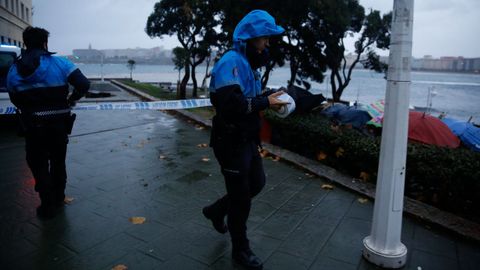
[(217, 220), (46, 211), (59, 198), (247, 258), (47, 208)]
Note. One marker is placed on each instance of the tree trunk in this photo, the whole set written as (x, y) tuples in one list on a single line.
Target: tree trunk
[(182, 90), (293, 72), (204, 82), (266, 76), (336, 76), (194, 79), (334, 86), (339, 92)]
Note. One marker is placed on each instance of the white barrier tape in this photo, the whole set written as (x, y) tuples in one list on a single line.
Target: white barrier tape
[(7, 110), (153, 105)]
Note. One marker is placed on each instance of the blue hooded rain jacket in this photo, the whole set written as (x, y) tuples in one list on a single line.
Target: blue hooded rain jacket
[(38, 83), (235, 89)]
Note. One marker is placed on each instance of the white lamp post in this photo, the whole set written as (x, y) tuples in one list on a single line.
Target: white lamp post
[(383, 246), (101, 65)]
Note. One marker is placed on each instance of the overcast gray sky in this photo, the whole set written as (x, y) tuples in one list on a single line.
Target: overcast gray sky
[(441, 27)]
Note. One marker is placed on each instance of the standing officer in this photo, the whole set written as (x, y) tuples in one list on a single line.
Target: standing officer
[(235, 92), (38, 85)]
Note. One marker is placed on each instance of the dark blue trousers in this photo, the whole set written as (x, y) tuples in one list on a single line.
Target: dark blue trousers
[(46, 148), (244, 176)]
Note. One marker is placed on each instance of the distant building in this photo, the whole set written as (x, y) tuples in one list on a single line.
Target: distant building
[(156, 55), (15, 16), (447, 63), (472, 64), (87, 55), (137, 53)]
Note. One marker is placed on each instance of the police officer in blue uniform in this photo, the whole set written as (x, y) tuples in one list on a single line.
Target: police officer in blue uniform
[(236, 94), (38, 85)]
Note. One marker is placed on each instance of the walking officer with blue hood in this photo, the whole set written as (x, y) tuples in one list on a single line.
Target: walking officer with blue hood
[(38, 85), (236, 94)]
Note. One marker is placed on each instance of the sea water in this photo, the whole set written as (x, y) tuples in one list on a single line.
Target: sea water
[(455, 94)]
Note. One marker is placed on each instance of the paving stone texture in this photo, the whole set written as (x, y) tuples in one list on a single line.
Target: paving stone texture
[(125, 164)]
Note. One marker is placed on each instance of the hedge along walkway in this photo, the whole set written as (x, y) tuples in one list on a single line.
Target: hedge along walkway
[(417, 209)]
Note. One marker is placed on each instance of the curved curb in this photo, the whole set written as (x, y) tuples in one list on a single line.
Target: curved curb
[(136, 92), (417, 209)]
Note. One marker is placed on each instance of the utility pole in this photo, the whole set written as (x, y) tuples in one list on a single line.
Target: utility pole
[(383, 247)]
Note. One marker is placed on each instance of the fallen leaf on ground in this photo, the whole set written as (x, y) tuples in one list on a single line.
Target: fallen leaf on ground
[(263, 153), (68, 200), (137, 220), (202, 145), (364, 176), (321, 156), (327, 186), (362, 200), (339, 152), (205, 159), (120, 267), (141, 144)]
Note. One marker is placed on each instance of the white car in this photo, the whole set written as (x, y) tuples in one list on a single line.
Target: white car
[(8, 54)]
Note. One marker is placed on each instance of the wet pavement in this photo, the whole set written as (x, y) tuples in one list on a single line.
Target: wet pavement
[(124, 164)]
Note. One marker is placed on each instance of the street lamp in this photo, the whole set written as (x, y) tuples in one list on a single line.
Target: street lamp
[(383, 246), (101, 65)]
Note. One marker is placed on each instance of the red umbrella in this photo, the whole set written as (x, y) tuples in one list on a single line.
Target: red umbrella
[(430, 130)]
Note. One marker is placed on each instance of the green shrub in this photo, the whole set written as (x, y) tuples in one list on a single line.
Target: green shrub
[(446, 178)]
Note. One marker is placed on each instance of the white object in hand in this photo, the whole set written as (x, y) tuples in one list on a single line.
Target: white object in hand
[(286, 109)]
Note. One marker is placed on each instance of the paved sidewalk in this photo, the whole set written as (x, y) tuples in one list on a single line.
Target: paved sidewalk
[(149, 164)]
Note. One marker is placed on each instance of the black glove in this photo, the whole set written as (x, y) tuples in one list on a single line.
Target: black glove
[(71, 102), (73, 98)]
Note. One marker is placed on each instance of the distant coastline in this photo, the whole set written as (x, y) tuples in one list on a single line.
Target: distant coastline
[(169, 62), (161, 56), (474, 72), (456, 94), (158, 61)]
